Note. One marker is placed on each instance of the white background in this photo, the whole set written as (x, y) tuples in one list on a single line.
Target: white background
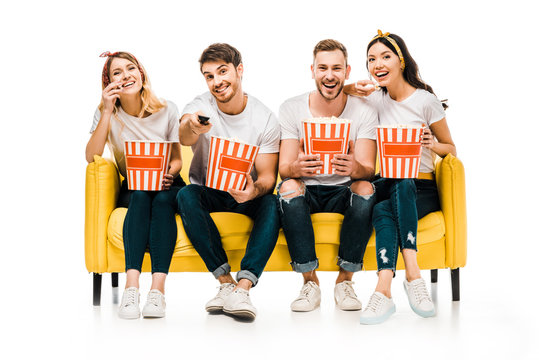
[(480, 55)]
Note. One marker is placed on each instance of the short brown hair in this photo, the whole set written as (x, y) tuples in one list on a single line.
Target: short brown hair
[(330, 45), (220, 52)]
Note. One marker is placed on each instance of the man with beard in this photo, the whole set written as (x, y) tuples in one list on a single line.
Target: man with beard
[(347, 191), (232, 114)]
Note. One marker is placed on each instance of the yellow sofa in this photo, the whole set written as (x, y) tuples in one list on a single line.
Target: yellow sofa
[(441, 237)]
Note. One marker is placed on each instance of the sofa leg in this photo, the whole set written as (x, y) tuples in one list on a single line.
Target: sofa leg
[(97, 289), (434, 276), (114, 279), (455, 284)]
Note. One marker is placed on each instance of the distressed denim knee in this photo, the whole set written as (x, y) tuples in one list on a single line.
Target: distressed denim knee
[(289, 189), (297, 226)]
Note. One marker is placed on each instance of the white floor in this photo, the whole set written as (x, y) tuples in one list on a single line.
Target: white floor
[(68, 326)]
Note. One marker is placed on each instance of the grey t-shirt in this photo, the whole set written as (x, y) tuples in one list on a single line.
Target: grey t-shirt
[(358, 110), (256, 125)]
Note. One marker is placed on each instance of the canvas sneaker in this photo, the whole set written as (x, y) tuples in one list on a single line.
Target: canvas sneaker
[(238, 303), (155, 305), (345, 297), (379, 309), (129, 307), (419, 297), (216, 304), (308, 299)]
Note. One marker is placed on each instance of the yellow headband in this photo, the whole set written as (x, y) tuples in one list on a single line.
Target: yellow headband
[(393, 42)]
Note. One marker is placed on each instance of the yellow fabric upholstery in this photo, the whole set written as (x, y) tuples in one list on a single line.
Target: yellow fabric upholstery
[(441, 237)]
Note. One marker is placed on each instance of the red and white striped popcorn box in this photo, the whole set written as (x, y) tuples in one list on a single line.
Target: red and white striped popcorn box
[(229, 162), (146, 163), (399, 151), (327, 137)]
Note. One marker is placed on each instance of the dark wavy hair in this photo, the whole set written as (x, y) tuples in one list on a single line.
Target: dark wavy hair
[(220, 52), (411, 71)]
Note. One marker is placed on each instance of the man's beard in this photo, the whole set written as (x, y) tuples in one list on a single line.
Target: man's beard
[(319, 86)]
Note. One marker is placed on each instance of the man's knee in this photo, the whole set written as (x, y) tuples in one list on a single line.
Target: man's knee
[(188, 195), (362, 188), (291, 188)]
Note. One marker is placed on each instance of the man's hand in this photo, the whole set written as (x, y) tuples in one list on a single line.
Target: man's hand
[(345, 164), (306, 165), (249, 193), (196, 127)]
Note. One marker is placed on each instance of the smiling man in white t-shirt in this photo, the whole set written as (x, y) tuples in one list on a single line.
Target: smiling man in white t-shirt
[(232, 114), (347, 191)]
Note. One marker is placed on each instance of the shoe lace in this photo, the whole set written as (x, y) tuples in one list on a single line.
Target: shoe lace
[(420, 292), (130, 296), (225, 289), (153, 298), (374, 303), (306, 291), (348, 289)]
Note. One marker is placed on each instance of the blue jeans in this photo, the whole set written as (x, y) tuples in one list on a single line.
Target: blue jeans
[(400, 203), (298, 228), (150, 223), (196, 202)]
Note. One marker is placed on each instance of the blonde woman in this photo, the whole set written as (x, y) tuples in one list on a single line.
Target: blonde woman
[(129, 110)]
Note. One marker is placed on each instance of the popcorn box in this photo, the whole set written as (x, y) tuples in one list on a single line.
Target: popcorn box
[(229, 162), (146, 163), (399, 151), (327, 137)]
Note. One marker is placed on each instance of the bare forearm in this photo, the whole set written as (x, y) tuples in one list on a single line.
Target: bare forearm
[(175, 167), (288, 170), (362, 172), (442, 149), (187, 136), (264, 185), (98, 140)]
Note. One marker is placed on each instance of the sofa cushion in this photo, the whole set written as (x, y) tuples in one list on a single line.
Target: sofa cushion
[(235, 228)]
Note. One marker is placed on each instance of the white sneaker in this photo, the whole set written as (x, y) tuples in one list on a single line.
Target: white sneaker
[(216, 304), (308, 299), (129, 308), (239, 304), (345, 297), (419, 297), (379, 309), (155, 305)]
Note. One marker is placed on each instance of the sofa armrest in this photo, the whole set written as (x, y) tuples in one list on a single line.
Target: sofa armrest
[(452, 192), (102, 190)]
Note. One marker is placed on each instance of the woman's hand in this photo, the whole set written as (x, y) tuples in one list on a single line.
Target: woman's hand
[(167, 181), (110, 94), (361, 88), (427, 140)]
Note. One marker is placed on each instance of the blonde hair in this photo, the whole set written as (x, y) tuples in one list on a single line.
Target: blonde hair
[(150, 102), (330, 45)]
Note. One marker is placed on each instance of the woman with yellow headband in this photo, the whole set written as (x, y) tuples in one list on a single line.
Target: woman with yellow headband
[(402, 98), (129, 110)]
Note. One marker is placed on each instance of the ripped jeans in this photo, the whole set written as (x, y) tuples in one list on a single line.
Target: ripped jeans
[(298, 228), (400, 203)]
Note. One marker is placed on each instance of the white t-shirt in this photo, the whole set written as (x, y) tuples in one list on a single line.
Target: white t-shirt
[(255, 125), (358, 110), (420, 108), (163, 125)]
